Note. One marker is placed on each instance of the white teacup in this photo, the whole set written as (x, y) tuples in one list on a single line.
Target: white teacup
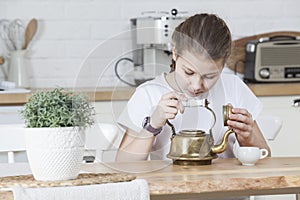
[(250, 155)]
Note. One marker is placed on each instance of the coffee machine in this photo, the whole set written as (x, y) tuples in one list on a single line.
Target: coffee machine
[(152, 44)]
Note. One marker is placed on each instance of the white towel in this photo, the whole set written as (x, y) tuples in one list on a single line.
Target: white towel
[(134, 190)]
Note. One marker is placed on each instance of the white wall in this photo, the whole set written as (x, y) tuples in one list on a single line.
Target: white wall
[(70, 29)]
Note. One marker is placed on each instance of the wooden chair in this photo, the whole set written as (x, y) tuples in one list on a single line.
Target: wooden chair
[(101, 139), (270, 126)]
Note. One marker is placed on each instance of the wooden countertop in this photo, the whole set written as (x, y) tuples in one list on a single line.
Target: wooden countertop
[(124, 93), (275, 89), (223, 178), (99, 94)]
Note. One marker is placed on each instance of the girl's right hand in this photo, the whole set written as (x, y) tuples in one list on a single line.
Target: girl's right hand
[(167, 108)]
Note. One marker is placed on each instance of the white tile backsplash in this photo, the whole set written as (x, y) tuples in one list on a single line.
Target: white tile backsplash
[(69, 30)]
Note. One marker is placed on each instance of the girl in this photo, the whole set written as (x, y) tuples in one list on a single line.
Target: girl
[(202, 43)]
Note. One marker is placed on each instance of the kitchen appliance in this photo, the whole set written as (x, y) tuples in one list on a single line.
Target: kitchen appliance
[(194, 146), (273, 59), (151, 44)]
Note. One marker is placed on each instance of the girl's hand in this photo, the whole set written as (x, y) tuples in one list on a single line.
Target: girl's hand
[(167, 108), (243, 125)]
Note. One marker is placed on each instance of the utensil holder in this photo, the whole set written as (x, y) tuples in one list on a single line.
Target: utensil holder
[(17, 71)]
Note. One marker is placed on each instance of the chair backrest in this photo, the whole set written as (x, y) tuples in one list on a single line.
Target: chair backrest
[(102, 141), (12, 140), (270, 126)]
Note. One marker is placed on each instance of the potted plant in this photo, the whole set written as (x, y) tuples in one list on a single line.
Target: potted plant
[(55, 123)]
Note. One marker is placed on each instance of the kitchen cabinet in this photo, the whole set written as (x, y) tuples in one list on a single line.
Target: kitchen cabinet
[(287, 141), (108, 112), (10, 115)]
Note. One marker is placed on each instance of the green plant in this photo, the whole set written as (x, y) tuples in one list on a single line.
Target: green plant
[(58, 108)]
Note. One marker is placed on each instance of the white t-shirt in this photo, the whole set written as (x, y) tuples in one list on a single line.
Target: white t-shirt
[(228, 89)]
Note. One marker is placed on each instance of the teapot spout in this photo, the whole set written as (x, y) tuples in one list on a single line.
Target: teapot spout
[(219, 148)]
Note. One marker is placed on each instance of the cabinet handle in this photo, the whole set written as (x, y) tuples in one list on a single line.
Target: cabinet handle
[(296, 103)]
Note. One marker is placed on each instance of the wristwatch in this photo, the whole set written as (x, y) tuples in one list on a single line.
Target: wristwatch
[(148, 127)]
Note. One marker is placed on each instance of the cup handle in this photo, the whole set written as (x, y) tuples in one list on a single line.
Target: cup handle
[(236, 147), (263, 153)]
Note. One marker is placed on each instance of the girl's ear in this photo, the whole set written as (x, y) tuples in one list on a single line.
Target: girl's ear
[(174, 54)]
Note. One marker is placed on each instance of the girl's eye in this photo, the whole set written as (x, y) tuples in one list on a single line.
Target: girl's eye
[(189, 73), (209, 76)]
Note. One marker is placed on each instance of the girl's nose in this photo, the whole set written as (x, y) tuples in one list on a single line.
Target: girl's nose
[(198, 84)]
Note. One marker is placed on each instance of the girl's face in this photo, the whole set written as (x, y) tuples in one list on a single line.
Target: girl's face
[(196, 74)]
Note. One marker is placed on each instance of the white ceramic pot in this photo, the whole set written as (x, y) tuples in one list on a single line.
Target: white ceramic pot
[(17, 71), (55, 153)]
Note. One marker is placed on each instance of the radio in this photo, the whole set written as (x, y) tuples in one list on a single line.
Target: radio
[(273, 59)]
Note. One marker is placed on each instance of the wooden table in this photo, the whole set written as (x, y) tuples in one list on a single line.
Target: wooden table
[(224, 178)]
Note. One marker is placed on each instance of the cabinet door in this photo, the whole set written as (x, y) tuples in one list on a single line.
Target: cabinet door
[(109, 111), (287, 142)]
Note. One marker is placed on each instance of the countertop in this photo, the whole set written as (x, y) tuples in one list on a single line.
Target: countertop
[(223, 178), (98, 94), (124, 93)]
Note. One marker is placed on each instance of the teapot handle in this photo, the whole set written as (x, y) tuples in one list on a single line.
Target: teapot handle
[(201, 103), (172, 127), (213, 113), (205, 106)]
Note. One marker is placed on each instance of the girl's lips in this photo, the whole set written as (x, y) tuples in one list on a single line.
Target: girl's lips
[(193, 94)]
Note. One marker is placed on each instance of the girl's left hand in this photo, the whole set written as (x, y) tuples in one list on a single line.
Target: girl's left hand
[(242, 124)]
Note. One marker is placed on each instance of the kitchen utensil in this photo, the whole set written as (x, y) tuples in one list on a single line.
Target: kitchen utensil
[(4, 49), (30, 32), (1, 60), (16, 33), (196, 147), (4, 35), (208, 141)]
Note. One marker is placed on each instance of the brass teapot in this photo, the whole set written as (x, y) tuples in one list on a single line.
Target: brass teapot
[(196, 147)]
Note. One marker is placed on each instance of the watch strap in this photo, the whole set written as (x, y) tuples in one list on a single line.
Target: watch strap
[(147, 126)]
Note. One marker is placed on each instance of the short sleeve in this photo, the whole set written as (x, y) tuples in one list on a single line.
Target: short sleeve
[(242, 96), (137, 108)]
